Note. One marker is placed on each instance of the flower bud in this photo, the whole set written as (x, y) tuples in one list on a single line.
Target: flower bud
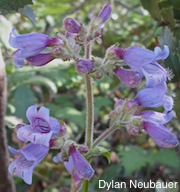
[(105, 13), (71, 25), (84, 66)]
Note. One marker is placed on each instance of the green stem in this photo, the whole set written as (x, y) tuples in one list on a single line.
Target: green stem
[(89, 110), (85, 186), (104, 135), (89, 104)]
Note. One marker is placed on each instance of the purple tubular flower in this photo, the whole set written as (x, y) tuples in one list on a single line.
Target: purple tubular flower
[(144, 62), (161, 135), (155, 97), (128, 77), (41, 129), (40, 59), (71, 25), (29, 45), (84, 66), (29, 157), (105, 13), (82, 169)]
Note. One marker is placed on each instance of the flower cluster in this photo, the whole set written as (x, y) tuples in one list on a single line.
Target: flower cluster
[(154, 123), (45, 132)]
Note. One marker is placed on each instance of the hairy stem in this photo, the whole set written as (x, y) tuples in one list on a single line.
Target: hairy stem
[(104, 135), (89, 104), (6, 182), (89, 110)]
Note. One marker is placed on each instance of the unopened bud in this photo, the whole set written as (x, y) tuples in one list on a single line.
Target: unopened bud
[(84, 66), (71, 25), (105, 13)]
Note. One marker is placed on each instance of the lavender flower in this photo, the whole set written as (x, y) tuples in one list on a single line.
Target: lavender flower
[(84, 66), (128, 77), (82, 169), (144, 62), (29, 45), (28, 158), (105, 13), (71, 25), (41, 129)]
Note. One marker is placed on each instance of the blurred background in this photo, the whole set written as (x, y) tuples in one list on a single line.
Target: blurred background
[(144, 23)]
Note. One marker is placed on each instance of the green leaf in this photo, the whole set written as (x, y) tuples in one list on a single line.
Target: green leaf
[(133, 158), (71, 114), (168, 17), (141, 158), (107, 155), (173, 63), (23, 98), (168, 157), (12, 5), (166, 38), (40, 80), (177, 104), (152, 7), (29, 13)]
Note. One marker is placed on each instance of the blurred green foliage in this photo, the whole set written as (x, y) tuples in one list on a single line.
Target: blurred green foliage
[(60, 88)]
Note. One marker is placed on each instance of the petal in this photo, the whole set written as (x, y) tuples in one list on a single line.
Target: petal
[(154, 74), (81, 167), (136, 57), (168, 103), (14, 151), (57, 158), (43, 113), (156, 117), (27, 133), (128, 77), (151, 97), (18, 60), (55, 127), (31, 113), (30, 156), (161, 54), (76, 178), (40, 59), (69, 165), (161, 135), (28, 41)]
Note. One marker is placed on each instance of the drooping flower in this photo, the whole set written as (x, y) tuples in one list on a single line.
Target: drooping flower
[(71, 25), (161, 135), (28, 158), (82, 169), (29, 45), (144, 62), (41, 129), (84, 66)]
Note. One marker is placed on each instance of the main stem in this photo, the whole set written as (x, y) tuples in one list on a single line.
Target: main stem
[(89, 110), (89, 103)]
